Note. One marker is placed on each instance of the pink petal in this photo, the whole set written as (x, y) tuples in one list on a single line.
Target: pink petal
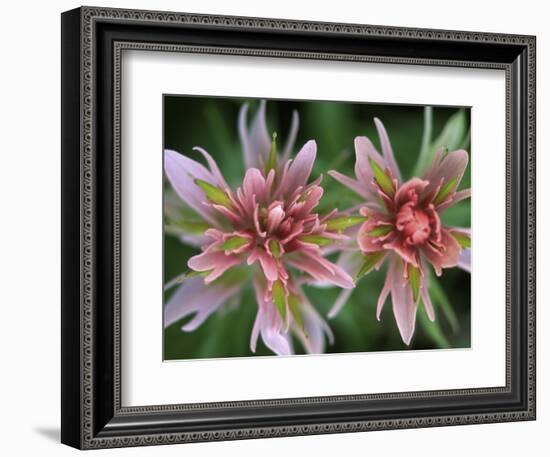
[(300, 168), (358, 187), (194, 296), (368, 243), (450, 167), (254, 184), (321, 269), (448, 257), (387, 150), (269, 324), (465, 259), (408, 190), (291, 139), (216, 261), (349, 261), (364, 150), (270, 266), (312, 336), (404, 307), (385, 290), (457, 197), (256, 142), (216, 173), (181, 172), (274, 217), (427, 303)]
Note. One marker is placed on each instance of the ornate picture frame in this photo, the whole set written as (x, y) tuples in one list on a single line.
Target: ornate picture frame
[(93, 40)]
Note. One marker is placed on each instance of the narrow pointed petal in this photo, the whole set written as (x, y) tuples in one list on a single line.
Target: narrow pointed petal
[(215, 261), (291, 139), (464, 260), (387, 150), (182, 172), (412, 189), (404, 307), (384, 292), (457, 197), (445, 170), (350, 183), (364, 150), (448, 257), (256, 142), (315, 330), (254, 184), (425, 294), (269, 325), (321, 269), (300, 168), (350, 262), (220, 181), (194, 296)]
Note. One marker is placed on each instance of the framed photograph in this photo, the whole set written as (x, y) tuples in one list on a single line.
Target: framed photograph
[(275, 228)]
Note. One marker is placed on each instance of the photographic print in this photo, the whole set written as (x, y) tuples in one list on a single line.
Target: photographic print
[(314, 227)]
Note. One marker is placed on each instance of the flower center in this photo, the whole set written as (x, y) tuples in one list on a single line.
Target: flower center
[(414, 223)]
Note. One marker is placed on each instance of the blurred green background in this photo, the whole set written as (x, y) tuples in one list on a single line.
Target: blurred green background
[(211, 123)]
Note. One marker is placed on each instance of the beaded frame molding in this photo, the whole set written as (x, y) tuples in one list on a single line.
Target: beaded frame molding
[(93, 40)]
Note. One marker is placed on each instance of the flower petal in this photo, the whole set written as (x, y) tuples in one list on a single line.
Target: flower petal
[(349, 261), (256, 142), (321, 269), (269, 324), (291, 139), (299, 169), (194, 296), (254, 184), (214, 169), (403, 304), (387, 150), (315, 330), (181, 172), (358, 187), (457, 197), (443, 170), (217, 261), (448, 257), (465, 259)]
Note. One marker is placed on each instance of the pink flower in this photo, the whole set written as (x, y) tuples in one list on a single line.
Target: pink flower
[(404, 225), (269, 224)]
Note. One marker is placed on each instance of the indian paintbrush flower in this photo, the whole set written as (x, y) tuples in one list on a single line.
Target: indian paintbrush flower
[(404, 224), (269, 225)]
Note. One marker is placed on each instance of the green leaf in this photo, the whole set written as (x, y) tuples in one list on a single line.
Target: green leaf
[(369, 263), (439, 297), (382, 178), (463, 240), (451, 137), (214, 193), (445, 191), (235, 242), (271, 163), (293, 304), (433, 330), (381, 230), (316, 239), (414, 280), (279, 298), (424, 155), (344, 222)]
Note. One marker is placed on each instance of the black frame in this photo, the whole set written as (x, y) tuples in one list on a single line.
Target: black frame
[(93, 40)]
